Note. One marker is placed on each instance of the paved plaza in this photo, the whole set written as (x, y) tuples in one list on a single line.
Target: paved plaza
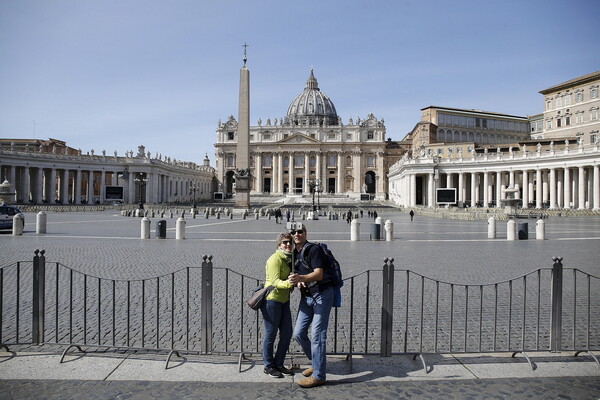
[(107, 244)]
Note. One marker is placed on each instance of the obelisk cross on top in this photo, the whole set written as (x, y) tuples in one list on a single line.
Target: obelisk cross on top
[(242, 179)]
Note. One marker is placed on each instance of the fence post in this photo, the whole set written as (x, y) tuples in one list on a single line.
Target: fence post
[(206, 323), (387, 307), (556, 301), (39, 297)]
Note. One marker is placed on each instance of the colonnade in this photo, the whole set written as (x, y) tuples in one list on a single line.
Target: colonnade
[(539, 187), (52, 183)]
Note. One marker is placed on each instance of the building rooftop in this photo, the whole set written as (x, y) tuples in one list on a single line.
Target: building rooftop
[(576, 81)]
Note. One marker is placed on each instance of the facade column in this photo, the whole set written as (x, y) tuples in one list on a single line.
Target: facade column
[(449, 180), (552, 176), (131, 189), (559, 189), (538, 188), (113, 178), (596, 183), (12, 175), (77, 194), (275, 174), (340, 183), (525, 189), (280, 175), (318, 174), (357, 172), (258, 172), (545, 191), (581, 199), (306, 188), (291, 189)]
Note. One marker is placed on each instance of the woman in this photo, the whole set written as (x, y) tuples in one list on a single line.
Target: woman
[(276, 310)]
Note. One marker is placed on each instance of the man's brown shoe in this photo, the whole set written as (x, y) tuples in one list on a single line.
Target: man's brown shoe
[(309, 382), (308, 372)]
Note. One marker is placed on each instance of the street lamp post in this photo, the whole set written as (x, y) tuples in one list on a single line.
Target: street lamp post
[(312, 184), (193, 190), (319, 189), (140, 180)]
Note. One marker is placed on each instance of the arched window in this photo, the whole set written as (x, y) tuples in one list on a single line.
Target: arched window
[(313, 161), (348, 161)]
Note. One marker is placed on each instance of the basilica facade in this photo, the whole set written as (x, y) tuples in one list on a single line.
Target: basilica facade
[(308, 149)]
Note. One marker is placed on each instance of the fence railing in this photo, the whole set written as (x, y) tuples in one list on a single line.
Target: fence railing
[(200, 309)]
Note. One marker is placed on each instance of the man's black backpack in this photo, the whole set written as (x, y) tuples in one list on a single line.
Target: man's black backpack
[(333, 274)]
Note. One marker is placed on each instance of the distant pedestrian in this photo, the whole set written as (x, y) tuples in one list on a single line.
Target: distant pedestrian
[(412, 214), (287, 215), (374, 214), (361, 213)]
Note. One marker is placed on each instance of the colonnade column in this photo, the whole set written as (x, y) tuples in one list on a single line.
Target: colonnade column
[(596, 183), (430, 189), (280, 175), (51, 194), (276, 172), (102, 186), (357, 172), (567, 188), (498, 188), (461, 187), (25, 184), (552, 176), (90, 196), (413, 190), (581, 199), (64, 187), (525, 189), (538, 188), (474, 186), (39, 182), (486, 189)]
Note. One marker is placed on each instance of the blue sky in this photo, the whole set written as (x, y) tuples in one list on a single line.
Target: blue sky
[(115, 74)]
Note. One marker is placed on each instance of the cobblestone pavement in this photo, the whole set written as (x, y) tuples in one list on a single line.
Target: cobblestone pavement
[(575, 388), (108, 245)]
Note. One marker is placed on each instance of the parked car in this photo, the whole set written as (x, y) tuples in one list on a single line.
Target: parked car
[(6, 216)]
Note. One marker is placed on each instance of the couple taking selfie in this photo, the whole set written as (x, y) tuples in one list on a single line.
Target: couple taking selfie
[(315, 306)]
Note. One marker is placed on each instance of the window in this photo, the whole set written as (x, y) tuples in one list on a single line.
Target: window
[(370, 135), (266, 136), (567, 120), (313, 161), (579, 97), (558, 122), (230, 160), (299, 161), (594, 92), (579, 117), (549, 105), (370, 160), (567, 100), (230, 135), (549, 124), (348, 161), (559, 102), (286, 162), (593, 114), (593, 136), (331, 135), (331, 160), (267, 161)]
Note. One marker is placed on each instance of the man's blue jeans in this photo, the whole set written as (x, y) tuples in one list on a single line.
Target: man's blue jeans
[(315, 310), (277, 317)]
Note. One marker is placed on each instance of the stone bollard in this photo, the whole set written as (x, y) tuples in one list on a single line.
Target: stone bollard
[(194, 215), (491, 228), (18, 222), (540, 229), (230, 215), (389, 230), (355, 231), (152, 214), (269, 214), (40, 223), (171, 214), (145, 228), (218, 214), (162, 214), (511, 228), (255, 215), (379, 221), (206, 214), (180, 228)]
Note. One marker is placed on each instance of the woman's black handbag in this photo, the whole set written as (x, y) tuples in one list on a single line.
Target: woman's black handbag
[(258, 296)]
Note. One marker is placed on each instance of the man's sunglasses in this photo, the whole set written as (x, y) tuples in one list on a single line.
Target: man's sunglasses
[(299, 232)]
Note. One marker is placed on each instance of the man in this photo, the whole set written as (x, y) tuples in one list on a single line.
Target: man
[(315, 306)]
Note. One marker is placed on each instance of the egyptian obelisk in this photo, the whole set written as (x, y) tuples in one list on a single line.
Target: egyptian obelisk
[(242, 178)]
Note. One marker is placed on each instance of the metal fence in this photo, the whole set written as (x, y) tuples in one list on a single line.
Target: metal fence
[(201, 309)]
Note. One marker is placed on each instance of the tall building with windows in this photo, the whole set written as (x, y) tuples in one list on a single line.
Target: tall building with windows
[(572, 108), (554, 165), (310, 146)]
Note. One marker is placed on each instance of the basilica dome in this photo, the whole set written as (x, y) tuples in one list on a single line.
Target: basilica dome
[(312, 107)]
